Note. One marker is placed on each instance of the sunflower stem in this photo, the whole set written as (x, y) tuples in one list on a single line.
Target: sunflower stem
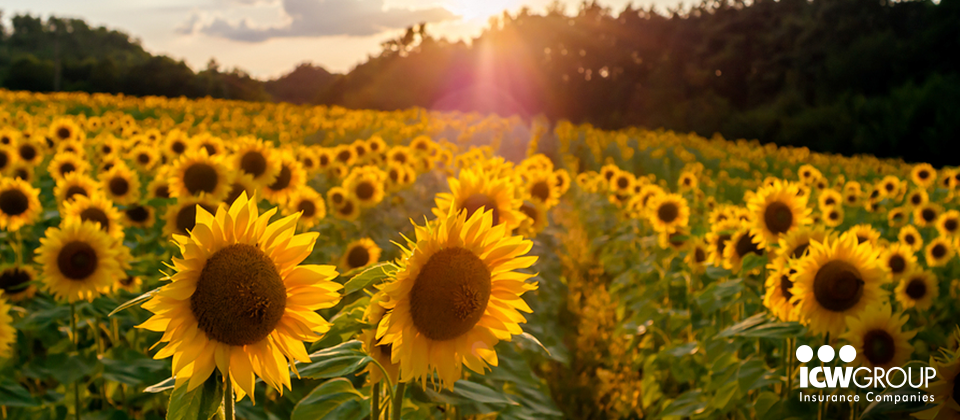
[(398, 400), (76, 347), (228, 400), (375, 402), (19, 247)]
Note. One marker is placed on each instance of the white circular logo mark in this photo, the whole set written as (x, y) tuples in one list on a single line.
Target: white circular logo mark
[(825, 354), (848, 353), (804, 353)]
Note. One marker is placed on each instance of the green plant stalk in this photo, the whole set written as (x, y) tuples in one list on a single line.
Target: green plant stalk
[(228, 400), (398, 400), (375, 402), (76, 347)]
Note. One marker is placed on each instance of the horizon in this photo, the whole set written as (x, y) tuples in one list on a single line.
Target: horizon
[(261, 38)]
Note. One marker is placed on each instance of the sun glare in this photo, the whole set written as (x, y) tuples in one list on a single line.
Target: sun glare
[(473, 9)]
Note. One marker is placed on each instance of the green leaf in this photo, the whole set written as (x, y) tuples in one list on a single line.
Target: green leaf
[(475, 392), (371, 275), (12, 394), (719, 295), (135, 301), (717, 273), (202, 403), (130, 372), (752, 261), (764, 402), (533, 342), (325, 400), (686, 405), (166, 384), (68, 368), (334, 366), (761, 326)]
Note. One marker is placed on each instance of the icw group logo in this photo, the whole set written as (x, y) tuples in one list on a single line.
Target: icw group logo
[(825, 376)]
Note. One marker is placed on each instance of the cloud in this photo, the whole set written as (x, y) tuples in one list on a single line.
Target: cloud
[(317, 18)]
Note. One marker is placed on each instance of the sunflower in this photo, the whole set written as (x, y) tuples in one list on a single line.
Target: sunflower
[(65, 163), (8, 158), (382, 353), (176, 144), (211, 144), (348, 209), (563, 180), (455, 296), (897, 217), (917, 198), (310, 205), (159, 187), (541, 187), (98, 209), (865, 234), (717, 240), (290, 179), (181, 217), (395, 176), (926, 214), (829, 198), (29, 152), (911, 237), (676, 240), (778, 293), (64, 129), (948, 224), (8, 335), (336, 196), (120, 184), (131, 284), (697, 254), (622, 183), (946, 390), (74, 184), (15, 282), (608, 171), (917, 289), (923, 175), (667, 212), (344, 155), (366, 185), (776, 210), (743, 242), (839, 278), (879, 338), (145, 157), (198, 173), (19, 204), (938, 252), (242, 182), (534, 221), (139, 216), (239, 301), (256, 158), (477, 188), (78, 260), (376, 144), (898, 259), (22, 171), (9, 136), (307, 159), (358, 254), (889, 186)]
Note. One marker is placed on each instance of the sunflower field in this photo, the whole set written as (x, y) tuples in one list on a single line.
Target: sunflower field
[(198, 259)]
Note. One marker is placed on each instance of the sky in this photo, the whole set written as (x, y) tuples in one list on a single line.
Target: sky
[(267, 38)]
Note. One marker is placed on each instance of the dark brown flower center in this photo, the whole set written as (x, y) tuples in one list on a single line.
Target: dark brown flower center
[(63, 133), (358, 256), (450, 294), (800, 250), (897, 264), (540, 190), (187, 217), (909, 239), (253, 163), (14, 202), (93, 214), (778, 217), (916, 289), (699, 255), (923, 174), (240, 296), (28, 152), (345, 155), (14, 279), (162, 191), (77, 260), (938, 251), (119, 186), (66, 168), (211, 149), (138, 214), (623, 182), (200, 177), (950, 225), (283, 179), (476, 201), (745, 246), (307, 207), (178, 147), (75, 190), (365, 190), (838, 286), (878, 347), (786, 287), (668, 212), (928, 214), (722, 243), (346, 209)]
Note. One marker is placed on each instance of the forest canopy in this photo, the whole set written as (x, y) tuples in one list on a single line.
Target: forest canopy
[(845, 76)]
